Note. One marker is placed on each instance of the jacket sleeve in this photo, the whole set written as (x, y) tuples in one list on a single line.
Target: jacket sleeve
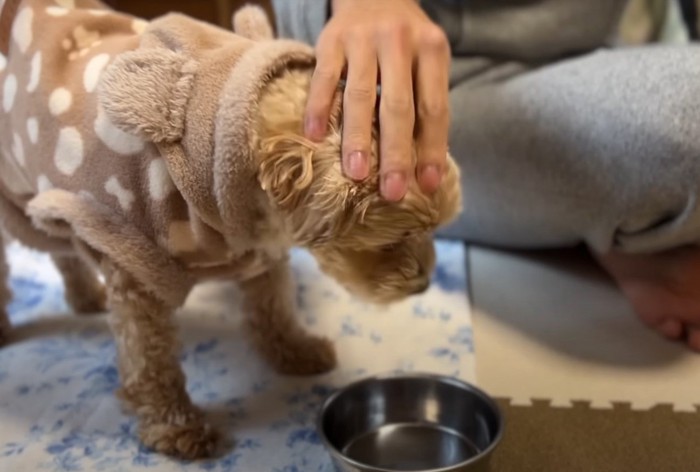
[(302, 20)]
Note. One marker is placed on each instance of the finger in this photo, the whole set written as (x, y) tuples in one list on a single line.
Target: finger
[(330, 61), (432, 106), (358, 108), (396, 114)]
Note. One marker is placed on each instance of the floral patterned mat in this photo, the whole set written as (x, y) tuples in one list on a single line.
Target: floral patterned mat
[(58, 412)]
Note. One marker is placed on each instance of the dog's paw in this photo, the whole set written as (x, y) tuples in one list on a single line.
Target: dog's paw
[(88, 302), (304, 355), (195, 440)]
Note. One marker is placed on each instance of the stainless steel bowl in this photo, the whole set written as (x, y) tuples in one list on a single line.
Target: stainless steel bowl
[(410, 422)]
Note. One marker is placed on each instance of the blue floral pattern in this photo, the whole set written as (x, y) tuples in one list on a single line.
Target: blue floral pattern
[(57, 408)]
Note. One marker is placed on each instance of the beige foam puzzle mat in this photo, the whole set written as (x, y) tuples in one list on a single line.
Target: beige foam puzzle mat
[(552, 326), (540, 438)]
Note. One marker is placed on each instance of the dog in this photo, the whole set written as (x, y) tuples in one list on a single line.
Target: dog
[(161, 154)]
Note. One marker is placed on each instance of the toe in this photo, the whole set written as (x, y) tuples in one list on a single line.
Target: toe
[(694, 338), (672, 329)]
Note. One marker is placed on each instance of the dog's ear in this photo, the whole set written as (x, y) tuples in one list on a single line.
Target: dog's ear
[(304, 180), (252, 22), (145, 92), (286, 169)]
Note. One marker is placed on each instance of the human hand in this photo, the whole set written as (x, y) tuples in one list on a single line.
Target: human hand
[(393, 40)]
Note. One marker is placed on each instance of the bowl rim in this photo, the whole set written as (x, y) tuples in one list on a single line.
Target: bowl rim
[(412, 376)]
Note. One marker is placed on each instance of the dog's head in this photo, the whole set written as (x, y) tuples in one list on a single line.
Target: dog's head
[(379, 250)]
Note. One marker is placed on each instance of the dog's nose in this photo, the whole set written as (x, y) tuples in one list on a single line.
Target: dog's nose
[(421, 288)]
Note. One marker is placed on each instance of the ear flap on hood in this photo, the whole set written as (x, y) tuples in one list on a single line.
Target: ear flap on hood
[(252, 22), (145, 92), (193, 90)]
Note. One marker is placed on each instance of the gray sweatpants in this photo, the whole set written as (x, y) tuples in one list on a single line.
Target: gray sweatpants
[(560, 139)]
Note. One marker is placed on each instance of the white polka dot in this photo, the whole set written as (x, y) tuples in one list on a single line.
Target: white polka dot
[(56, 11), (60, 101), (34, 72), (93, 70), (9, 92), (3, 62), (139, 25), (69, 4), (43, 183), (125, 197), (22, 29), (114, 138), (69, 151), (33, 130), (159, 182), (84, 38), (18, 149)]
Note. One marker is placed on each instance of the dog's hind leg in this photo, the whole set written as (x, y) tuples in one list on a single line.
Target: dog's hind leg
[(84, 291), (5, 293), (152, 381), (277, 335)]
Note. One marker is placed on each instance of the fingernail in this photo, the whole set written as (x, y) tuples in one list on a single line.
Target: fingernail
[(313, 128), (430, 178), (394, 186), (358, 165)]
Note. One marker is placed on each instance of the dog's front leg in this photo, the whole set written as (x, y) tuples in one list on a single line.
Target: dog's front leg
[(153, 383), (277, 335)]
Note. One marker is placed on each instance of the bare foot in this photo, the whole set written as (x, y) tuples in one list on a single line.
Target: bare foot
[(664, 290)]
